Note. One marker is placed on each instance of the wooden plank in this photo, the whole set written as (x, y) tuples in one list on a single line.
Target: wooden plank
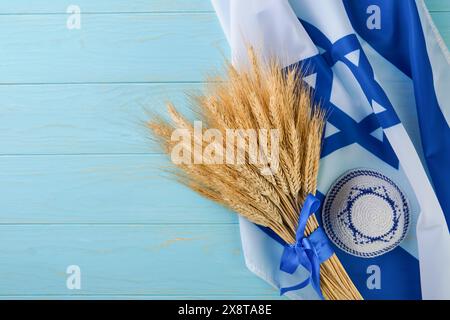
[(442, 22), (99, 189), (104, 6), (437, 5), (110, 48), (138, 297), (72, 119), (85, 119), (118, 6), (156, 260)]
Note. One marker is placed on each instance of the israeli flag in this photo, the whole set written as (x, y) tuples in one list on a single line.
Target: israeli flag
[(382, 69)]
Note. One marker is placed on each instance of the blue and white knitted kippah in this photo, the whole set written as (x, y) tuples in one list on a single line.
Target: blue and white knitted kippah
[(365, 213)]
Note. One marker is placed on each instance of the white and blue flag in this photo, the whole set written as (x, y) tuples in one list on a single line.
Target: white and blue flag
[(382, 70)]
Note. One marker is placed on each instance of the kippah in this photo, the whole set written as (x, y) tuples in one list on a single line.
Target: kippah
[(365, 213)]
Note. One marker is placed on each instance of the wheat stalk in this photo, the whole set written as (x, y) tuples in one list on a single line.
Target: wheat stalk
[(262, 97)]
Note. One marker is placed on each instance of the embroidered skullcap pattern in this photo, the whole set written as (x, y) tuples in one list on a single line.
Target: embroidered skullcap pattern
[(365, 213)]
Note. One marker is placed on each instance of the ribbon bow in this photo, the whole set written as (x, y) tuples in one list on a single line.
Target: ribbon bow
[(309, 251)]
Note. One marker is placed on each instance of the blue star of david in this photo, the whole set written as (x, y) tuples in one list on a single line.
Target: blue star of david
[(350, 131), (345, 216)]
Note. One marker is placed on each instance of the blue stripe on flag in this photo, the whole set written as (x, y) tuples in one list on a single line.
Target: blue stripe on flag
[(399, 270), (401, 29)]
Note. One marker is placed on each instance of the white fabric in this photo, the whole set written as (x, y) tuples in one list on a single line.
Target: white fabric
[(272, 27)]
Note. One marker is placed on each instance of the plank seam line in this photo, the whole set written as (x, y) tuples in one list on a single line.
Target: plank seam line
[(155, 12), (137, 295), (104, 83), (131, 154), (132, 224)]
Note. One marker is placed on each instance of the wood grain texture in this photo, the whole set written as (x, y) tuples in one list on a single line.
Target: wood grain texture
[(438, 5), (79, 181), (159, 260), (96, 119), (110, 48), (99, 189), (442, 22), (103, 6), (135, 297), (84, 118), (120, 6)]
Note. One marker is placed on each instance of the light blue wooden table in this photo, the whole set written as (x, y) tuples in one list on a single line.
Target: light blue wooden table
[(79, 181)]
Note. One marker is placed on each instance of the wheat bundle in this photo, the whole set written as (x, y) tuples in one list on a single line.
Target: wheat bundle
[(269, 192)]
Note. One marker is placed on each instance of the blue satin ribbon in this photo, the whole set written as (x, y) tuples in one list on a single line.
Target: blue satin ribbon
[(308, 252)]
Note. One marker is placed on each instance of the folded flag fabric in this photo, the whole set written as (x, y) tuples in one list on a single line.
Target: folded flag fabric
[(382, 72)]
